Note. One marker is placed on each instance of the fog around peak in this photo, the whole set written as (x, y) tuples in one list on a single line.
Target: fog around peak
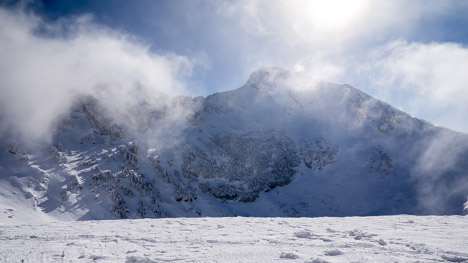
[(46, 66)]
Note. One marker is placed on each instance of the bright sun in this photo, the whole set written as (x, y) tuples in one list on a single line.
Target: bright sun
[(335, 13)]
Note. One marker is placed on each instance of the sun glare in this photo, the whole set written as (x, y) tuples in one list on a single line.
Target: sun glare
[(335, 13)]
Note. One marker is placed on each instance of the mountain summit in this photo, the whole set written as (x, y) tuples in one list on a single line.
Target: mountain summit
[(281, 145)]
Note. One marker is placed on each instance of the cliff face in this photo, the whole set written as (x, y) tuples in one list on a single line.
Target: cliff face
[(281, 145)]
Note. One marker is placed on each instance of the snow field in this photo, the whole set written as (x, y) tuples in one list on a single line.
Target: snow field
[(241, 239)]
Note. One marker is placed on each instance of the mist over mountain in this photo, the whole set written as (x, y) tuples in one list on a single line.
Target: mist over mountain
[(281, 145)]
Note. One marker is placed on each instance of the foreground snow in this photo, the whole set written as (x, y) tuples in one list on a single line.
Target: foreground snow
[(363, 239)]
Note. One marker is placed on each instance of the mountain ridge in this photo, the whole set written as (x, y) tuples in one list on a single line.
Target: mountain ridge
[(281, 145)]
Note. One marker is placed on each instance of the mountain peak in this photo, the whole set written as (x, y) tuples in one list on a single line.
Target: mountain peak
[(277, 79), (284, 144), (268, 75)]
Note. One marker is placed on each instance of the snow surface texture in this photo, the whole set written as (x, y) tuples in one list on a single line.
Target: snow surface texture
[(236, 239), (281, 145)]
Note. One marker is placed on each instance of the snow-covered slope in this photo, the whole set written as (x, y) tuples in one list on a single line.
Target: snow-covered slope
[(281, 145)]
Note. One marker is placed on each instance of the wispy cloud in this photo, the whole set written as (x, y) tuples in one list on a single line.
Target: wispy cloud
[(426, 79), (441, 172), (44, 67), (364, 46)]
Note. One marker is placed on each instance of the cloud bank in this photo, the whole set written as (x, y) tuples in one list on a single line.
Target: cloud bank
[(44, 67)]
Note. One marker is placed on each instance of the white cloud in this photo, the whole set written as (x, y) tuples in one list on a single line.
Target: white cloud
[(298, 67), (424, 79), (44, 67), (429, 80), (286, 34), (333, 24), (439, 170)]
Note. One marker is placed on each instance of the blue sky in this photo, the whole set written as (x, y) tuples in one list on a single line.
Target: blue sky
[(411, 54)]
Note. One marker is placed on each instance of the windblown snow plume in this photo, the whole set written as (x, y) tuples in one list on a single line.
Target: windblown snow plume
[(45, 67)]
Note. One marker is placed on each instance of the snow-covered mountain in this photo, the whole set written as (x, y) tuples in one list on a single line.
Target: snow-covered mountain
[(281, 145)]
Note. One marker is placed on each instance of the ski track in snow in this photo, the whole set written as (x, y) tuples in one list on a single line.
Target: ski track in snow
[(241, 239)]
